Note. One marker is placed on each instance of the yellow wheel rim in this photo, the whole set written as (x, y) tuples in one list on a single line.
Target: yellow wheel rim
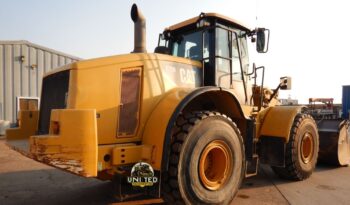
[(215, 165), (307, 148)]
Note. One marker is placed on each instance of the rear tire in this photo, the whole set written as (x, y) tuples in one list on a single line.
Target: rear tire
[(301, 150), (206, 164)]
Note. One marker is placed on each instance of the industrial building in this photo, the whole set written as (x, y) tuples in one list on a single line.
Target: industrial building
[(22, 66)]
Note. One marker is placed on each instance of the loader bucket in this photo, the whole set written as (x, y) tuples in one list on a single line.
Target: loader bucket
[(334, 141)]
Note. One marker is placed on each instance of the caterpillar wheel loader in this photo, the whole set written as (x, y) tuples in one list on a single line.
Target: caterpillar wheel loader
[(184, 124)]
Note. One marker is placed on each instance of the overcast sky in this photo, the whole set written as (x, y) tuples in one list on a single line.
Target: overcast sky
[(309, 39)]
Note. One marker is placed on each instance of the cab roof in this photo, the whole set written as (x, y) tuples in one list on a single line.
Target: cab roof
[(210, 15)]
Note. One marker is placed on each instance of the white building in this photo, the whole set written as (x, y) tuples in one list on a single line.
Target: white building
[(22, 65)]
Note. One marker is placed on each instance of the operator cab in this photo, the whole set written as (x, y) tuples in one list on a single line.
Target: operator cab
[(219, 42)]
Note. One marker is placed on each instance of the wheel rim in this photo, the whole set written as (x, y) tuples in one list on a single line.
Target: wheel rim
[(307, 147), (215, 165)]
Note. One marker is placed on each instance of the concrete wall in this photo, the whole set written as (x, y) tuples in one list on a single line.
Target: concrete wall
[(22, 65)]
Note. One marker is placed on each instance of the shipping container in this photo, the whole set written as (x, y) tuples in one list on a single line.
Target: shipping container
[(22, 66), (346, 101)]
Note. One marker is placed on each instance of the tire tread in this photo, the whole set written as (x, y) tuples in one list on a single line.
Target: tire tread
[(183, 125), (291, 171)]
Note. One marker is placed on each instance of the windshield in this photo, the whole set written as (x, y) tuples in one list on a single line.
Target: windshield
[(189, 46)]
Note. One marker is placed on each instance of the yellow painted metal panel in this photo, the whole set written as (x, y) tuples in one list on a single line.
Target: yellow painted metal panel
[(86, 90), (75, 147), (157, 123), (28, 123), (131, 154), (104, 150), (277, 121), (135, 57)]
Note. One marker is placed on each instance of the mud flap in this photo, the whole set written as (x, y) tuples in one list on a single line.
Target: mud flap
[(272, 151), (125, 191)]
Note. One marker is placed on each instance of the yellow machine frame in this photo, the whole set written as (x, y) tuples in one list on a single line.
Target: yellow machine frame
[(83, 138)]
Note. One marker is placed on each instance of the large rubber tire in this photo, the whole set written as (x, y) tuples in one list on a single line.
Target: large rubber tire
[(192, 135), (298, 166)]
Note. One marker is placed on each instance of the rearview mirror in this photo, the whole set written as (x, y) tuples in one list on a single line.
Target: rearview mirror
[(286, 83), (262, 42)]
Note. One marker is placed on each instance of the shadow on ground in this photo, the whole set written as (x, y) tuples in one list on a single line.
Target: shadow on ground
[(50, 186)]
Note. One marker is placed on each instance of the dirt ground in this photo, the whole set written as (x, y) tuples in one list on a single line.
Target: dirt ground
[(24, 181)]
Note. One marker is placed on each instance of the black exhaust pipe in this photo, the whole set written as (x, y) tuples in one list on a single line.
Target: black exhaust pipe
[(139, 30)]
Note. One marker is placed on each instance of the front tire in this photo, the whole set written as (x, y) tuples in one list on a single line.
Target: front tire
[(206, 160), (301, 150)]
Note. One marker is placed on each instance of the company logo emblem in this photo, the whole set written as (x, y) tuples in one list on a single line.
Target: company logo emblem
[(142, 174)]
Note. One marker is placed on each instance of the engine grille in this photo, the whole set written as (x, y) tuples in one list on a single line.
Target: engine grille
[(130, 102), (53, 96)]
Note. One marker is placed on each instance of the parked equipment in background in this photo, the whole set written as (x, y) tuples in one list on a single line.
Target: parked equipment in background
[(333, 131), (346, 102)]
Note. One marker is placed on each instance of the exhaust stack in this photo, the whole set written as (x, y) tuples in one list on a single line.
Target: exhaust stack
[(139, 30)]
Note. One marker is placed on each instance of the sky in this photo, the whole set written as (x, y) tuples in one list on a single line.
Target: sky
[(308, 42)]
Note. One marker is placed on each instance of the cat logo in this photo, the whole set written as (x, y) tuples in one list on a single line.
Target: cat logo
[(187, 76)]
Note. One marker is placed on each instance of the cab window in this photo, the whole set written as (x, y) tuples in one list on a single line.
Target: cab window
[(188, 46), (236, 65), (222, 52)]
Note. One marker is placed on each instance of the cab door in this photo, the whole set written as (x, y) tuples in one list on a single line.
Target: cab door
[(228, 63)]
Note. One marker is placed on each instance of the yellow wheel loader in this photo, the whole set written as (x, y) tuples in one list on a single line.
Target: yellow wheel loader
[(184, 124), (333, 131)]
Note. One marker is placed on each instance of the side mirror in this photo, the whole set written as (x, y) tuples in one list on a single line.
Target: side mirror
[(262, 42), (286, 83)]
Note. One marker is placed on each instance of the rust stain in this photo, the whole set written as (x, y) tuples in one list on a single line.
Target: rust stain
[(71, 165), (37, 152), (243, 196), (41, 148)]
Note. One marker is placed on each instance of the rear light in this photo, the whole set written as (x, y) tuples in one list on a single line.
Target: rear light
[(55, 128)]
